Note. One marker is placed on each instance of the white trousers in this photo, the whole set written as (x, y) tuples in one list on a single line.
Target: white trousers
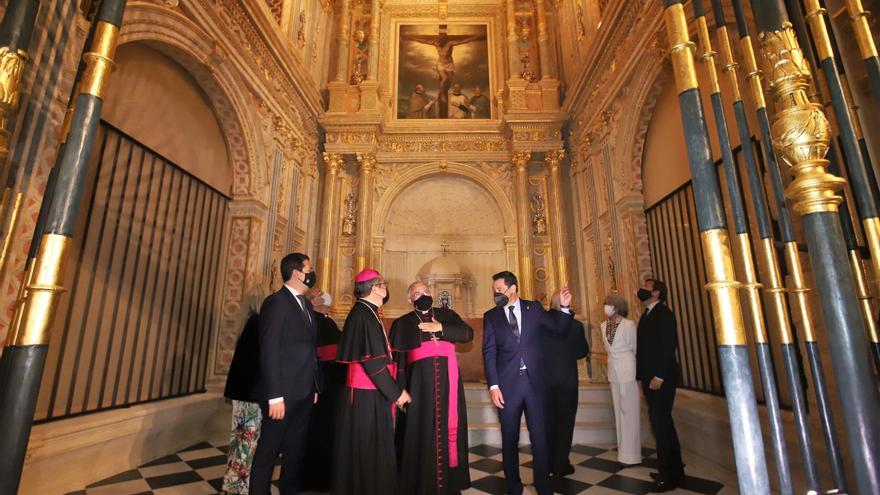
[(627, 416)]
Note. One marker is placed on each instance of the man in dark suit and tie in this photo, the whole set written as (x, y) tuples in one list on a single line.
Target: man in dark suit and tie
[(289, 376), (657, 370), (513, 355)]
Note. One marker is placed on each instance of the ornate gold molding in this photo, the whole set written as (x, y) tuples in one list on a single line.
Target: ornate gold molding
[(521, 158), (800, 129)]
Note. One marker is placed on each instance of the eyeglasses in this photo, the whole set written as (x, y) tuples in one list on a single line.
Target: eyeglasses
[(383, 285)]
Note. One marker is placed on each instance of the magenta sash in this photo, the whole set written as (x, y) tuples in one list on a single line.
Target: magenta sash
[(327, 352), (444, 349), (358, 377)]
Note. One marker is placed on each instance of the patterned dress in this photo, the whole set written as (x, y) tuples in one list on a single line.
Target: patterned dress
[(246, 418)]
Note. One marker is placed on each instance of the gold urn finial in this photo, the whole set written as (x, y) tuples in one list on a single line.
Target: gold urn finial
[(801, 132)]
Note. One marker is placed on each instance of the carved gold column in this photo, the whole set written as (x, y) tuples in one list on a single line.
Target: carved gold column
[(366, 166), (373, 71), (521, 198), (326, 276), (342, 52), (553, 160), (547, 71), (512, 50)]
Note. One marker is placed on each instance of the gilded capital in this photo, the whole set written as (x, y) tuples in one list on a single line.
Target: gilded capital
[(11, 68), (553, 158), (333, 161), (521, 158), (366, 161), (800, 129)]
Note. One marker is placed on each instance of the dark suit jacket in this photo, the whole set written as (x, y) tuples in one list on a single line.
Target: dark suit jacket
[(656, 344), (502, 351), (241, 382), (288, 349), (562, 353)]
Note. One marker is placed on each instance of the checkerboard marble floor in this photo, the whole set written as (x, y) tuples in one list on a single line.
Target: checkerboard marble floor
[(199, 470)]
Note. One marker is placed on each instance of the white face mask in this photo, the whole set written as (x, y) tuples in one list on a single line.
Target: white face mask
[(609, 311)]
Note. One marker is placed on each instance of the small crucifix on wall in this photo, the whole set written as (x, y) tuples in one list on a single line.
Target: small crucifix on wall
[(445, 247)]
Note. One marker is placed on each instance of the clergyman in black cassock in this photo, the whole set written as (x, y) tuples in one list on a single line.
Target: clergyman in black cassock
[(564, 351), (657, 369), (318, 460), (364, 452), (433, 431)]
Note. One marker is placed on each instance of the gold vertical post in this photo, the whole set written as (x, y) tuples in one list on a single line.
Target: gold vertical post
[(520, 161), (366, 166), (553, 161), (326, 277)]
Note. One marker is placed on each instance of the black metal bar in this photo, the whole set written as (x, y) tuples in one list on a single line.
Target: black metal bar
[(687, 290), (114, 233), (733, 352), (92, 276), (741, 226), (115, 322), (195, 291), (704, 323), (199, 323), (152, 332), (693, 293), (838, 297), (677, 291), (170, 326), (136, 272), (23, 360), (183, 267), (160, 325)]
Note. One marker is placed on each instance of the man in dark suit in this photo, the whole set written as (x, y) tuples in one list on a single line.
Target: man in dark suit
[(513, 355), (563, 353), (289, 376), (657, 370)]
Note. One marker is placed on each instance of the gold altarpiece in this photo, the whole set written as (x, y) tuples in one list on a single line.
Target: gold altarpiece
[(488, 193)]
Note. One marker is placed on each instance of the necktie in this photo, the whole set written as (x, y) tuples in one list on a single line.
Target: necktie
[(514, 326), (305, 307)]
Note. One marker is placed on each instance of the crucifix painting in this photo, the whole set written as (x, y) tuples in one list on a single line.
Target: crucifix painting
[(443, 72)]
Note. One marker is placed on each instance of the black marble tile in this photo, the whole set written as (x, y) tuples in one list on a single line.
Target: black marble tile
[(650, 462), (602, 465), (700, 485), (217, 484), (587, 450), (490, 484), (198, 446), (168, 459), (204, 462), (487, 465), (132, 474), (485, 450), (173, 479), (626, 484), (223, 448), (648, 452), (568, 486)]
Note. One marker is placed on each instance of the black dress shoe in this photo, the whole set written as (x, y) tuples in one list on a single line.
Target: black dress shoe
[(662, 486), (654, 476), (565, 471)]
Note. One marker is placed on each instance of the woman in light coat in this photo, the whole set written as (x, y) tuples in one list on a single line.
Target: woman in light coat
[(619, 337)]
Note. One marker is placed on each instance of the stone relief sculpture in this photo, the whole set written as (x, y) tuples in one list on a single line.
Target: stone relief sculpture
[(349, 221), (539, 219)]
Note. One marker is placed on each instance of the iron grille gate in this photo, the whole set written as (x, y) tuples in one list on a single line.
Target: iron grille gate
[(136, 323)]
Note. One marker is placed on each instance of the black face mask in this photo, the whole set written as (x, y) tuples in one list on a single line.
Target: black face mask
[(643, 295), (310, 280), (424, 302), (386, 298), (501, 299)]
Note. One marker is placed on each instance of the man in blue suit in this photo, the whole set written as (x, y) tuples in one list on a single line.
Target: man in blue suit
[(514, 359)]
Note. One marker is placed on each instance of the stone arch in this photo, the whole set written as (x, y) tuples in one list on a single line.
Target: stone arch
[(193, 49), (644, 99), (430, 169)]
